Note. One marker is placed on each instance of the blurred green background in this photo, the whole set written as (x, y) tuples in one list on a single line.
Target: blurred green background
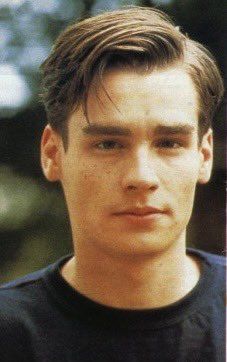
[(34, 226)]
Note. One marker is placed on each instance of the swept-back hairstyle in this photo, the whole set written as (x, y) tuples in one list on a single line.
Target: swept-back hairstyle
[(138, 38)]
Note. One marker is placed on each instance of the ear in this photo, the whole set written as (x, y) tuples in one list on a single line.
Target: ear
[(206, 157), (51, 149)]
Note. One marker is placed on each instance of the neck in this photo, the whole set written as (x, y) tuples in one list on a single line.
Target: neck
[(133, 282)]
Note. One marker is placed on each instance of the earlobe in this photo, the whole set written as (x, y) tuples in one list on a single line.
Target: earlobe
[(206, 161), (51, 154)]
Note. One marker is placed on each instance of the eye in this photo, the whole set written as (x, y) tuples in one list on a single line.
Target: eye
[(108, 145), (169, 144)]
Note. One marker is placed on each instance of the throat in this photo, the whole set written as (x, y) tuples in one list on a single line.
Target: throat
[(134, 285)]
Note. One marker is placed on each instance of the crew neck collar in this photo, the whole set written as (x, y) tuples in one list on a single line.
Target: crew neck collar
[(80, 307)]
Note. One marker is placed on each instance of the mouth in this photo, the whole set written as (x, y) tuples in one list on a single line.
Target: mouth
[(144, 216), (141, 211)]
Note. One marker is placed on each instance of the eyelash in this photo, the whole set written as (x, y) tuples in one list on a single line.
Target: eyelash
[(112, 142), (166, 144), (170, 144)]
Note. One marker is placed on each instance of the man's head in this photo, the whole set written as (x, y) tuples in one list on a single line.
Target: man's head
[(126, 105), (140, 39)]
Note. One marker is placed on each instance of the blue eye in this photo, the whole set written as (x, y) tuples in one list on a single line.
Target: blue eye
[(108, 145)]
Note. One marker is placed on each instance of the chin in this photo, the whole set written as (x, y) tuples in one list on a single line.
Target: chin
[(136, 246)]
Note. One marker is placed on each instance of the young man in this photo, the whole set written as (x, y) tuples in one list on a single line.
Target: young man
[(129, 101)]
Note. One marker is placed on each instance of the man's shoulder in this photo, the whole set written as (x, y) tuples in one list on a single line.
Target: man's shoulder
[(17, 294), (19, 301), (30, 280), (28, 290), (213, 277), (212, 259), (22, 281)]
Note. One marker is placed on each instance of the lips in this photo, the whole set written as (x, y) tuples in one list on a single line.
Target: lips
[(141, 218), (146, 218), (140, 211)]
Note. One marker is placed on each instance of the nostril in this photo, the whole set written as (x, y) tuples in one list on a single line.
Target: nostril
[(141, 186), (131, 187)]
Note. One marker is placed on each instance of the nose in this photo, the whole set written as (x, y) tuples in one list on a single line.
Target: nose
[(140, 174)]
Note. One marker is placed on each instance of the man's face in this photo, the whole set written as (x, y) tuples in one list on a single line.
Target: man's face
[(129, 176)]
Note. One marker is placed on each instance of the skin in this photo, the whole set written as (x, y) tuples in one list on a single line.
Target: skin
[(141, 150)]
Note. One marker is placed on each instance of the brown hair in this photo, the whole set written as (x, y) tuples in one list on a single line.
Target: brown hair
[(136, 37)]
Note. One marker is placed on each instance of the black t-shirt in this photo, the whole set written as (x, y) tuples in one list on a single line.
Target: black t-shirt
[(42, 318)]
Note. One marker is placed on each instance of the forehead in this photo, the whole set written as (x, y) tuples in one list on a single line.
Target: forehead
[(132, 99)]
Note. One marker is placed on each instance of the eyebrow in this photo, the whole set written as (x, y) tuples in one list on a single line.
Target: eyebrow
[(184, 129), (94, 129)]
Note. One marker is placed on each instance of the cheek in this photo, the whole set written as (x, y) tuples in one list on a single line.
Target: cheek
[(94, 174), (186, 168), (186, 193), (93, 183), (182, 177)]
